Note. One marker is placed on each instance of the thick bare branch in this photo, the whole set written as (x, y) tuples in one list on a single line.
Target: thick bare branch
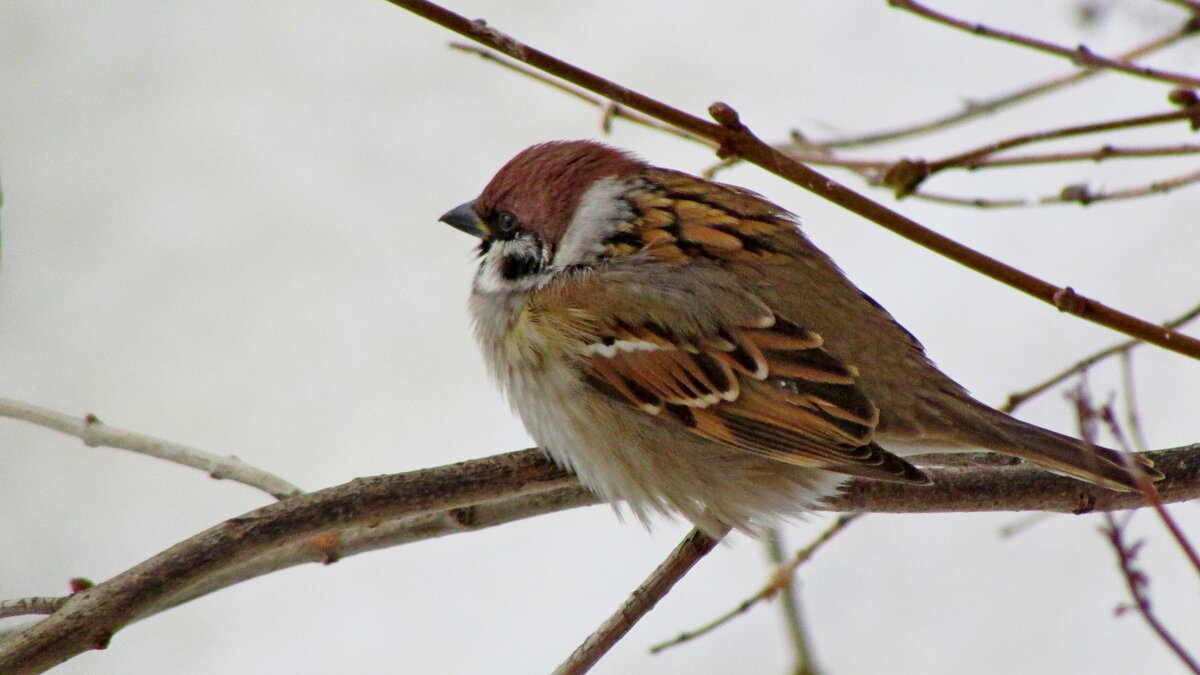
[(320, 526), (736, 139), (89, 618)]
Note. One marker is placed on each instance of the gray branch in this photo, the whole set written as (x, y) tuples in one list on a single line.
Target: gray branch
[(371, 513)]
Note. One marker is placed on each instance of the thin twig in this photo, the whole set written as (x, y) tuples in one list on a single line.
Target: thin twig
[(1149, 492), (1079, 194), (25, 606), (973, 158), (1023, 523), (878, 166), (974, 109), (1137, 582), (780, 579), (1190, 5), (1104, 152), (1129, 396), (610, 109), (95, 433), (736, 139), (789, 606), (1080, 56), (1015, 400), (1089, 416), (906, 175), (689, 552)]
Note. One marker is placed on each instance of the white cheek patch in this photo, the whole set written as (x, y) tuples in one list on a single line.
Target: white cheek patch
[(599, 212), (490, 276)]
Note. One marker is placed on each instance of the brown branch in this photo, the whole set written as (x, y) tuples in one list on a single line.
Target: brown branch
[(1078, 194), (906, 175), (867, 167), (1081, 55), (26, 606), (1136, 581), (974, 109), (973, 158), (89, 618), (1149, 493), (685, 556), (781, 579), (500, 487), (1100, 154), (1015, 400), (735, 138), (611, 110)]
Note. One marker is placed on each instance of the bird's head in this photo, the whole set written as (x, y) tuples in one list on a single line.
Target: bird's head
[(553, 206)]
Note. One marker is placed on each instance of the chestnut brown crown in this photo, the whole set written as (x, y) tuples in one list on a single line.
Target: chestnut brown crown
[(543, 185)]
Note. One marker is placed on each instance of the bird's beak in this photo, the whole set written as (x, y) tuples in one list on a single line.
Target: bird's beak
[(463, 217)]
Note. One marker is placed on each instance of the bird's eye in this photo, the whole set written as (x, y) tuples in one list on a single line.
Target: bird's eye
[(505, 222)]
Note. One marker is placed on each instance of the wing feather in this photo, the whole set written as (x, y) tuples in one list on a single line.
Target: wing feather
[(763, 384)]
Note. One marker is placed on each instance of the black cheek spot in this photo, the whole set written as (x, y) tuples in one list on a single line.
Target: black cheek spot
[(518, 266)]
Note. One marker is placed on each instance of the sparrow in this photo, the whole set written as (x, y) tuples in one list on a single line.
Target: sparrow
[(684, 348)]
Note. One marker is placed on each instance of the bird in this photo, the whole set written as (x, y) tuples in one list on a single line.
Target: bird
[(685, 349)]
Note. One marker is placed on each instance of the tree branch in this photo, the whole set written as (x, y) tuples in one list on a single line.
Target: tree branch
[(1080, 56), (978, 108), (643, 599), (95, 433), (480, 493), (781, 580), (735, 139)]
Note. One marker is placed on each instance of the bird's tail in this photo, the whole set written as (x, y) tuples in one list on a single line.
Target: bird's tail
[(1072, 457)]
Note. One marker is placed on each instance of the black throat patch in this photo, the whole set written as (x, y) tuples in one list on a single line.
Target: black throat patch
[(519, 265)]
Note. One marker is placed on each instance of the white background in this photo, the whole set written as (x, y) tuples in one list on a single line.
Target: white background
[(220, 228)]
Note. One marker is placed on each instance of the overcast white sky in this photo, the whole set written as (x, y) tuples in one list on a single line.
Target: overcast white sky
[(220, 228)]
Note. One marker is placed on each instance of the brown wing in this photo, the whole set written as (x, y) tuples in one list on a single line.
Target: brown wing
[(764, 386)]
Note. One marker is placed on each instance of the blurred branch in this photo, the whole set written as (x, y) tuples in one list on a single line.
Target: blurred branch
[(694, 546), (781, 580), (734, 138), (1108, 417), (904, 176), (879, 166), (1078, 193), (95, 433), (25, 606), (986, 106), (328, 524), (610, 110), (1080, 56), (1190, 5), (789, 606), (1015, 400), (1136, 580)]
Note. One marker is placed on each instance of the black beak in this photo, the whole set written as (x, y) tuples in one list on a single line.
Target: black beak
[(463, 217)]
